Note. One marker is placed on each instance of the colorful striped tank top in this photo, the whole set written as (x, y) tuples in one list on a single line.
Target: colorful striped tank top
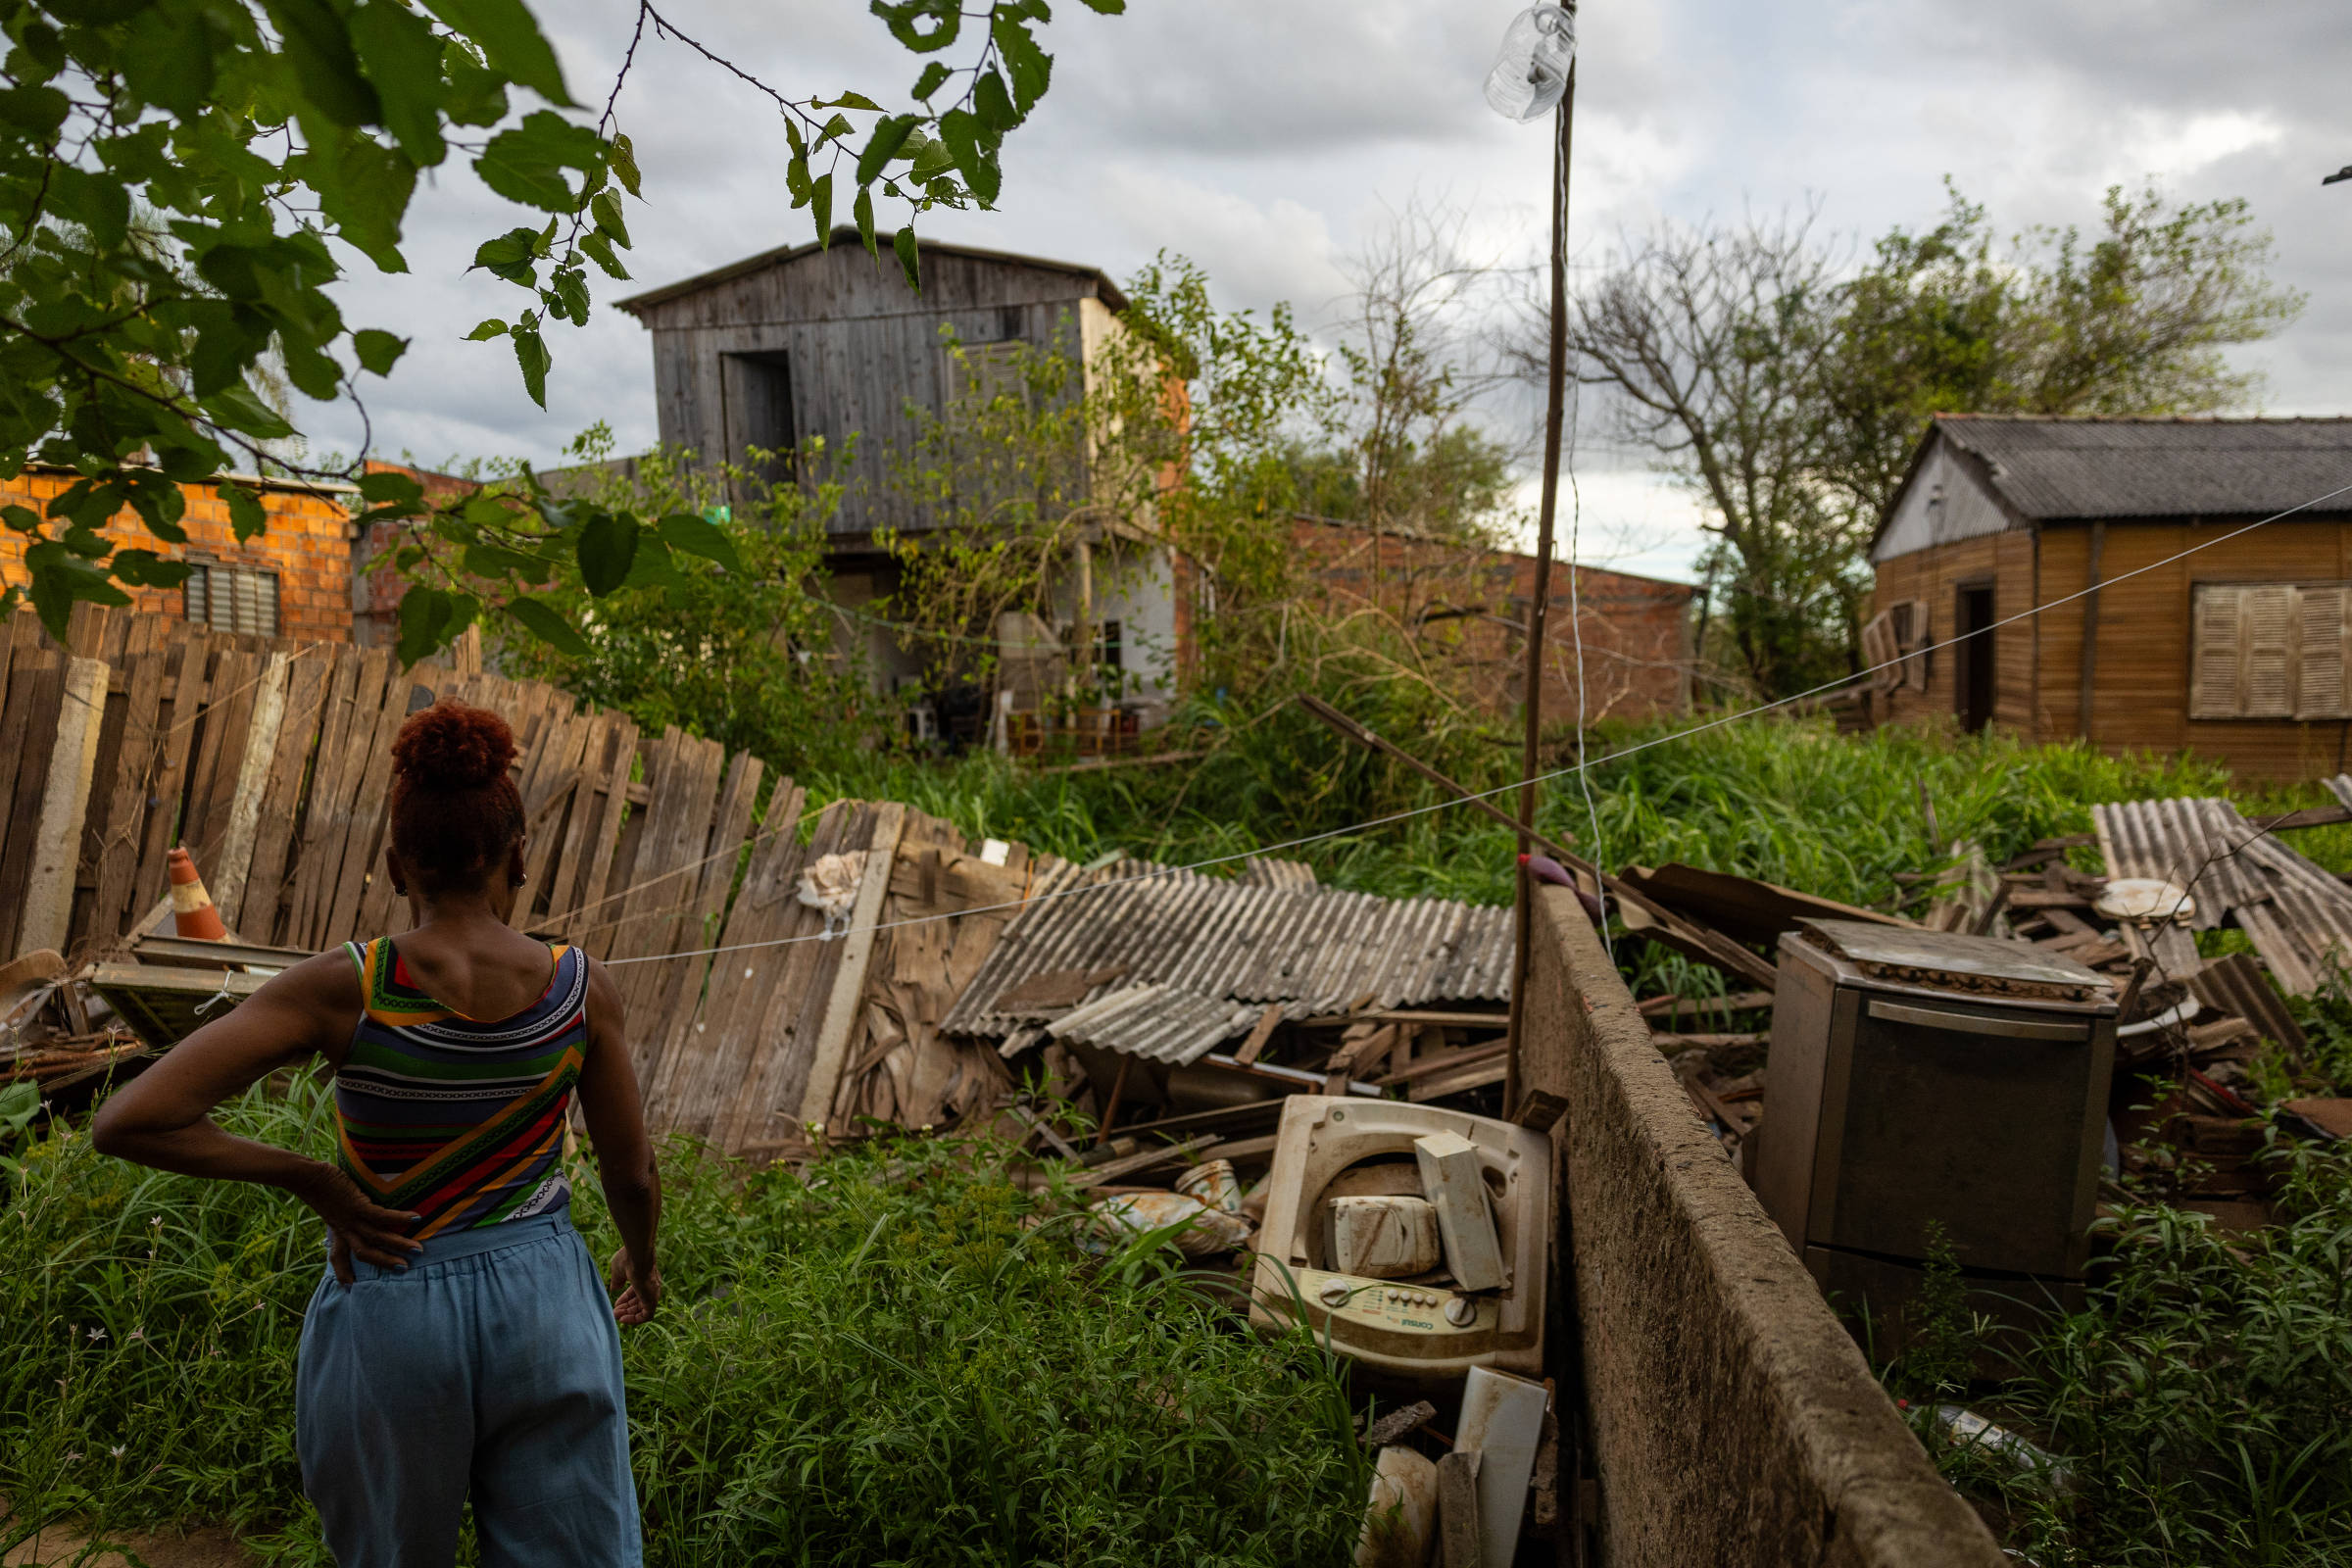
[(454, 1119)]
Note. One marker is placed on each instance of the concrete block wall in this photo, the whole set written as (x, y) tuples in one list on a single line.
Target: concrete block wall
[(1731, 1419)]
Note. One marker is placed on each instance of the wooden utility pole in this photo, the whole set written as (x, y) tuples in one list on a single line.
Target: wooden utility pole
[(1554, 399)]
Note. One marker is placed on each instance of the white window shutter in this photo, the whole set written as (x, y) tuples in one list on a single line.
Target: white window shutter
[(2319, 652), (2266, 642), (2213, 655)]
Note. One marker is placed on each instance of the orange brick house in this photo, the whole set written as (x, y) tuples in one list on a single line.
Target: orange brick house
[(1467, 607), (291, 581)]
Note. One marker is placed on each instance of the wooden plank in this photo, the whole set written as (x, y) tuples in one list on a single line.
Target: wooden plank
[(220, 734), (279, 824), (550, 786), (362, 844), (596, 801), (86, 922), (849, 981), (27, 735), (48, 912), (235, 855), (354, 703), (709, 1074), (132, 779), (677, 1004)]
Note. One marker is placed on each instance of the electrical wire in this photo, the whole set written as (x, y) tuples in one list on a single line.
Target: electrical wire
[(1582, 765)]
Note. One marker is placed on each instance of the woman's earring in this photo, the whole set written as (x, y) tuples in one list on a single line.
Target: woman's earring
[(524, 878)]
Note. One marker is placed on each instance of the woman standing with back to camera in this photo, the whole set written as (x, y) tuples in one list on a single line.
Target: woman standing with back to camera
[(459, 1342)]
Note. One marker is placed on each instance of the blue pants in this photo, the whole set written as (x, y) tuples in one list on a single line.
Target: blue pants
[(489, 1366)]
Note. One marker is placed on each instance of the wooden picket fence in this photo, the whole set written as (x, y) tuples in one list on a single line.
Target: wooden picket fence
[(270, 761)]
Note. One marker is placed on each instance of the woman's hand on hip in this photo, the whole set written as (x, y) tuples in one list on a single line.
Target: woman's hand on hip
[(640, 1289), (358, 1227)]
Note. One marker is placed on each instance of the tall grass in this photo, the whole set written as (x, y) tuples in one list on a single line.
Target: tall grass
[(900, 1360)]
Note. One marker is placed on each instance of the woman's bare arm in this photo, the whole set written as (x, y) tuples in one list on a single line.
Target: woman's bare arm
[(164, 1117), (625, 1156)]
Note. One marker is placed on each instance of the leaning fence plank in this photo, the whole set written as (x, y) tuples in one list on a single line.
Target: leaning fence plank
[(27, 733), (220, 733), (849, 981), (354, 705), (279, 824), (188, 654), (706, 889), (371, 790), (246, 795), (65, 800)]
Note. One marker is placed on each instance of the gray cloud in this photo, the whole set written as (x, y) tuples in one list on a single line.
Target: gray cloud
[(1265, 140)]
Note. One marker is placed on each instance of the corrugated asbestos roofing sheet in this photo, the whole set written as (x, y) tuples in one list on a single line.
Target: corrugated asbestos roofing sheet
[(1157, 1021), (1316, 950), (2074, 467), (2296, 914)]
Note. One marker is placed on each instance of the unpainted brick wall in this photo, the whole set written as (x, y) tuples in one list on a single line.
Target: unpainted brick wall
[(307, 544)]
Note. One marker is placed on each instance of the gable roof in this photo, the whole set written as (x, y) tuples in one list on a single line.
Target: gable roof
[(2046, 469), (848, 236)]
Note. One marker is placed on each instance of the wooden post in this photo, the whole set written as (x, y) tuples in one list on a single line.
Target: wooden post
[(849, 981), (2091, 628), (65, 803), (1555, 383)]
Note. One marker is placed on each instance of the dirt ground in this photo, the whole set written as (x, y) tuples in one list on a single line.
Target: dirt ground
[(206, 1548)]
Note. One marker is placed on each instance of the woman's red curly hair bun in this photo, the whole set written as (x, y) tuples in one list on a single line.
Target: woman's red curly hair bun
[(450, 745), (456, 811)]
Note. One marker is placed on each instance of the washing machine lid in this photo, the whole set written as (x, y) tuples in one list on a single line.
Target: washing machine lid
[(1917, 956)]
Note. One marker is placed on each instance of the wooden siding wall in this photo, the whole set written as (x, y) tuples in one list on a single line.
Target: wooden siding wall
[(858, 345), (268, 757), (2141, 686), (1936, 576)]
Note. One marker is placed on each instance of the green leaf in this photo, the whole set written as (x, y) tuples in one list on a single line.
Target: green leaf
[(532, 355), (910, 258), (880, 148), (796, 180), (36, 111), (510, 40), (862, 210), (606, 209), (240, 409), (607, 545), (23, 520), (549, 628), (144, 569), (477, 95), (848, 100), (488, 329), (905, 21), (600, 251), (973, 146), (378, 350), (426, 618), (325, 69), (1031, 67), (401, 56), (1108, 8), (510, 255), (820, 203), (698, 536), (365, 187), (94, 201), (246, 518), (389, 489), (526, 164), (994, 104), (934, 77), (625, 163)]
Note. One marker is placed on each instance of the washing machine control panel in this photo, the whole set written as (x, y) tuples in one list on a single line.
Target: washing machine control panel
[(1392, 1304)]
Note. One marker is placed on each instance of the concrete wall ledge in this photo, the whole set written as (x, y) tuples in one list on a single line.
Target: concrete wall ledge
[(1731, 1418)]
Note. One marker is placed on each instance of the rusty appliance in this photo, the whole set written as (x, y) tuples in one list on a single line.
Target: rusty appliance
[(1926, 1083), (1488, 1186)]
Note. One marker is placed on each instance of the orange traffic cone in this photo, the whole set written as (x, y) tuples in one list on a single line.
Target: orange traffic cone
[(192, 912)]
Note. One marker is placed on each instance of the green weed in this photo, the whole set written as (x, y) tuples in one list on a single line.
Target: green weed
[(897, 1359)]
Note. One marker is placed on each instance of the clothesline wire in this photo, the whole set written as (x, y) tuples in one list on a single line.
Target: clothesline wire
[(1576, 769)]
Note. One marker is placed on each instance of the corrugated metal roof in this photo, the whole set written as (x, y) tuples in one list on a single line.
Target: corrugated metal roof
[(2296, 912), (1316, 950), (2050, 468), (1158, 1021)]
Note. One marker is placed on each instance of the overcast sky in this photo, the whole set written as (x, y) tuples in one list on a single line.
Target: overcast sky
[(1268, 139)]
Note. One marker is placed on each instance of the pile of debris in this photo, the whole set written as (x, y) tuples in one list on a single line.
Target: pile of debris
[(2192, 1023)]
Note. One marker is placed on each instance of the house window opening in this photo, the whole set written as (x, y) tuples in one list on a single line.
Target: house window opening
[(232, 599)]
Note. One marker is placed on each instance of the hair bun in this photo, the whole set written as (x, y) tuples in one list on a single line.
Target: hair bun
[(450, 745)]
